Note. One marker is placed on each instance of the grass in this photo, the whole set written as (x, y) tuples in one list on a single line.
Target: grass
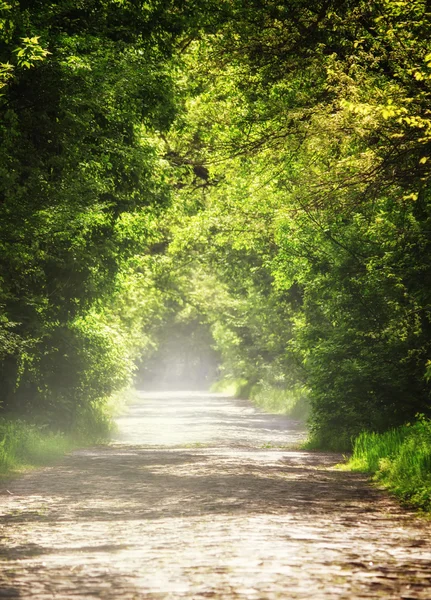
[(291, 447), (23, 445), (329, 441), (293, 402), (230, 386), (400, 459)]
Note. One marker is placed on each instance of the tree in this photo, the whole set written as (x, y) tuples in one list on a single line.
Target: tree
[(313, 128)]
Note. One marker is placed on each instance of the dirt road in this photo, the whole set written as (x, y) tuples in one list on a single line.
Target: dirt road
[(199, 496)]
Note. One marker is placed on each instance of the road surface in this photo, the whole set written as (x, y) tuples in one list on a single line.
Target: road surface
[(201, 496)]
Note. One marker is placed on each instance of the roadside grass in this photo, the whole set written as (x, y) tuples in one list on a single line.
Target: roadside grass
[(24, 444), (328, 442), (292, 402), (399, 459), (229, 386), (293, 447)]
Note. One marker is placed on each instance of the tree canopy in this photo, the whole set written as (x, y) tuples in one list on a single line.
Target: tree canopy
[(261, 168)]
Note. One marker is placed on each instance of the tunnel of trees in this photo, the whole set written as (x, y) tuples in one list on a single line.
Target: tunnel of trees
[(254, 174)]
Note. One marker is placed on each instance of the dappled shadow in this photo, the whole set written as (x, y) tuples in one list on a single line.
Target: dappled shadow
[(30, 550), (71, 582), (233, 521), (143, 484), (174, 419)]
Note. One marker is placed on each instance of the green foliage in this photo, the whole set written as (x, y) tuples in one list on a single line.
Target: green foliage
[(261, 169), (292, 402), (85, 92), (400, 459), (230, 387), (311, 224), (23, 444)]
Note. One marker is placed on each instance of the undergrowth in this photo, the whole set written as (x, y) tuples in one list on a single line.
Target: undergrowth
[(291, 402), (23, 444), (28, 443), (328, 441), (230, 386), (400, 459)]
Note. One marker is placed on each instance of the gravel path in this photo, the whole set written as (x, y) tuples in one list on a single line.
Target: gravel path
[(202, 496)]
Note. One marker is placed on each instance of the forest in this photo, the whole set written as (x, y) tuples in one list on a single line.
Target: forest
[(254, 174)]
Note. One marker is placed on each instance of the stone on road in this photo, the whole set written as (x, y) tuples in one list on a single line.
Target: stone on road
[(202, 496)]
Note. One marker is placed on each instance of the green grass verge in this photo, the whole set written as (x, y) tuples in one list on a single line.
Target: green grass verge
[(24, 444), (230, 387), (293, 402), (327, 441), (400, 459)]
